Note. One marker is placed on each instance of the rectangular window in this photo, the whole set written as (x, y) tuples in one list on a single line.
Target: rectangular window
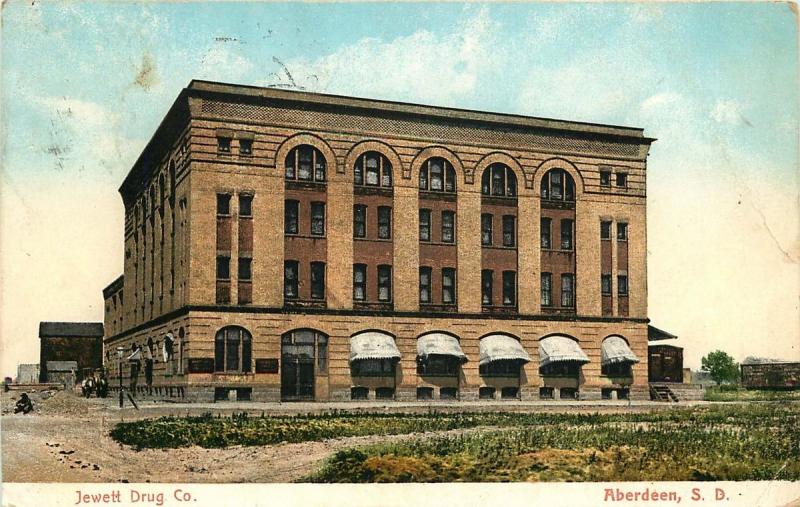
[(436, 175), (306, 161), (547, 289), (372, 171), (545, 233), (509, 288), (438, 365), (448, 226), (223, 268), (622, 285), (223, 204), (487, 283), (317, 218), (245, 268), (359, 221), (486, 229), (384, 222), (317, 280), (424, 225), (509, 230), (245, 205), (384, 283), (566, 234), (605, 230), (291, 211), (224, 144), (605, 178), (567, 290), (359, 282), (290, 275), (425, 284), (556, 185), (448, 286), (622, 180), (622, 231), (245, 146), (605, 285)]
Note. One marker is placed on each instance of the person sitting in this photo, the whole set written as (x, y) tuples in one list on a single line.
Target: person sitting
[(24, 404)]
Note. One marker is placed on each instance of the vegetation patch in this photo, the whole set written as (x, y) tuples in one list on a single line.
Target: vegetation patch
[(736, 393)]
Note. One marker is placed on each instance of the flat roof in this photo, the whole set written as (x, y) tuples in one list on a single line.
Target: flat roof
[(70, 329)]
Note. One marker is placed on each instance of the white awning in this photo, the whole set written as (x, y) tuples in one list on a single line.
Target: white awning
[(373, 345), (616, 350), (557, 348), (499, 347), (439, 344)]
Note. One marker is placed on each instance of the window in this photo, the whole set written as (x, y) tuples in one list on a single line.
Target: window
[(567, 290), (223, 268), (617, 370), (622, 231), (439, 365), (245, 146), (322, 353), (566, 234), (622, 180), (605, 285), (224, 144), (290, 276), (384, 283), (622, 285), (437, 175), (291, 211), (359, 221), (384, 222), (499, 180), (509, 288), (305, 163), (448, 286), (245, 268), (424, 225), (500, 368), (317, 218), (509, 230), (223, 204), (547, 289), (561, 369), (545, 233), (245, 205), (486, 229), (373, 169), (317, 280), (557, 185), (373, 368), (233, 350), (359, 282), (425, 284), (605, 230), (448, 226), (487, 282), (605, 178)]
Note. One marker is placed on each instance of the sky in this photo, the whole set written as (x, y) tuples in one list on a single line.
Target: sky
[(85, 84)]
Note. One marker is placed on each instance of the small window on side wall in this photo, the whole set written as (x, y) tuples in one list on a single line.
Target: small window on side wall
[(359, 282), (622, 231), (245, 205), (223, 204), (224, 144), (245, 146), (605, 178), (622, 180)]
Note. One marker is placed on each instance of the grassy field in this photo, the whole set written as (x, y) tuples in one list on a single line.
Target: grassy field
[(735, 393), (720, 442)]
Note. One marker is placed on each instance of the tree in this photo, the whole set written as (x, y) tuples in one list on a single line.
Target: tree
[(720, 366)]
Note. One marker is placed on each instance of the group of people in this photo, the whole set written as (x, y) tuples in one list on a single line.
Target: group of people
[(95, 385)]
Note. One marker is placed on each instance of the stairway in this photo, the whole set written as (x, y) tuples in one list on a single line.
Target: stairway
[(662, 392)]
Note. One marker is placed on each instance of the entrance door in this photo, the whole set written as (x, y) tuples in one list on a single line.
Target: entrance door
[(297, 366)]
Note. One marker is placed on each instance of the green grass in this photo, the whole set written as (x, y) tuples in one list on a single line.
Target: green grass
[(711, 443), (735, 393)]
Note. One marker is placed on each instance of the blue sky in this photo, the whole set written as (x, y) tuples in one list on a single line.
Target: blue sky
[(85, 85)]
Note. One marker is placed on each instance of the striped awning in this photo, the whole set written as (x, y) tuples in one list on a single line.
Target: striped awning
[(616, 350), (373, 345), (558, 348), (439, 344), (499, 347)]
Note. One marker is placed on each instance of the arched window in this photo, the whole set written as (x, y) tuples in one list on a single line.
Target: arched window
[(558, 185), (305, 163), (373, 169), (153, 205), (499, 180), (233, 347), (172, 183), (437, 175)]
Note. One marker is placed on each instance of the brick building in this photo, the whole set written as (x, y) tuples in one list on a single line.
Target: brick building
[(66, 349), (288, 245)]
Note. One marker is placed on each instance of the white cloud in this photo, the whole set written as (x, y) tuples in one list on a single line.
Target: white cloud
[(222, 62), (727, 112)]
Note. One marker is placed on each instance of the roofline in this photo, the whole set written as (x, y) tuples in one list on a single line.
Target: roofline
[(418, 109), (114, 286)]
